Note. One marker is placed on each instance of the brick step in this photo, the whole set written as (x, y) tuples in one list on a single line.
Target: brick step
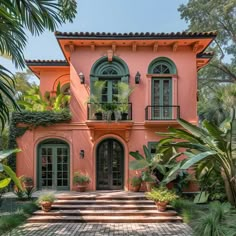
[(106, 213), (93, 197), (105, 207), (102, 202), (104, 219)]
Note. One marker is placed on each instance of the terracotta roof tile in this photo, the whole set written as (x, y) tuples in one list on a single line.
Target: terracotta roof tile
[(205, 55), (46, 62), (131, 35)]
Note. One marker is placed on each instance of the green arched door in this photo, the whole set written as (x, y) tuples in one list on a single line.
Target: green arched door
[(53, 166), (110, 165)]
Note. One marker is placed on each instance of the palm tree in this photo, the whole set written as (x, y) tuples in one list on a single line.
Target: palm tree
[(17, 16)]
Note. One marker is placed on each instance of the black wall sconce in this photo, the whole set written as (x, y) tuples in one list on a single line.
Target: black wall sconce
[(81, 154), (81, 77), (137, 78)]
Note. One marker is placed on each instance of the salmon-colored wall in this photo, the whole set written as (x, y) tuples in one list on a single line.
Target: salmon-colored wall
[(80, 136)]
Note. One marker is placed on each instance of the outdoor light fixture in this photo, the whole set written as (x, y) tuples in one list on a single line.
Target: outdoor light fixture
[(137, 78), (81, 154), (81, 76)]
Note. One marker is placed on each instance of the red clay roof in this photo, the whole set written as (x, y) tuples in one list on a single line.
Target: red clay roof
[(136, 35), (46, 62), (205, 55)]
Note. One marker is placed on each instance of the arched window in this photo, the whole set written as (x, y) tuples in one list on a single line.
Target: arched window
[(162, 70), (162, 65), (104, 77)]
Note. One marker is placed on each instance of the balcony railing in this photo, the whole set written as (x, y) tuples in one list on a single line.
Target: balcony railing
[(109, 111), (162, 112)]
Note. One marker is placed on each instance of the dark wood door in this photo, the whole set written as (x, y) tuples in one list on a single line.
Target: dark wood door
[(110, 165)]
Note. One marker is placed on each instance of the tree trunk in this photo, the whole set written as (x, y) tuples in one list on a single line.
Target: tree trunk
[(230, 188)]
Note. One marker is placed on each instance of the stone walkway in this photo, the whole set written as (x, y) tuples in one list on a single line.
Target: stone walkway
[(83, 229)]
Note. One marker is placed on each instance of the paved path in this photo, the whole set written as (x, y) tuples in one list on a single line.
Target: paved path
[(83, 229)]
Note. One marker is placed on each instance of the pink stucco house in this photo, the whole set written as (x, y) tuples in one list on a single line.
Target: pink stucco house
[(162, 69)]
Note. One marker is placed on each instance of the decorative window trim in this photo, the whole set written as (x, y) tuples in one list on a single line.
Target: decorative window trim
[(161, 75), (165, 61), (102, 64)]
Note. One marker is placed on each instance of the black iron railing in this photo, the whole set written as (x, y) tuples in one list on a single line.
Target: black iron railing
[(162, 112), (109, 111)]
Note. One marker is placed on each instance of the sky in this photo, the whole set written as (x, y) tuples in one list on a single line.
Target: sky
[(108, 16)]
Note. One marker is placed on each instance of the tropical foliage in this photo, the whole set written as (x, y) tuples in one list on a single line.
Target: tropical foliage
[(33, 100), (7, 173), (149, 163), (208, 146), (218, 220), (17, 16), (215, 103)]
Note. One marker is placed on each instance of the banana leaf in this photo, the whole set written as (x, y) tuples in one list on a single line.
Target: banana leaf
[(136, 155), (196, 158), (138, 164), (5, 182), (6, 153), (196, 131), (13, 176)]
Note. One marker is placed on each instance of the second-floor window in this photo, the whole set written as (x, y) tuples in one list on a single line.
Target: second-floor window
[(110, 74), (161, 70)]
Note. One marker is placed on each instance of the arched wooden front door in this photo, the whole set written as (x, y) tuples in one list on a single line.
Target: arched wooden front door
[(53, 165), (110, 165)]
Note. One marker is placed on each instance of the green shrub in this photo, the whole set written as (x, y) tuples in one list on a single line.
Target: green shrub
[(219, 220), (9, 222), (161, 194), (186, 208), (29, 208)]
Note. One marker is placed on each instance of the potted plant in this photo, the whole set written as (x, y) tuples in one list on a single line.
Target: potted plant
[(124, 91), (26, 181), (135, 183), (96, 107), (147, 164), (45, 201), (81, 180), (161, 196)]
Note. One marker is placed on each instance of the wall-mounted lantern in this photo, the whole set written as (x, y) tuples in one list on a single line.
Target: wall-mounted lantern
[(81, 77), (137, 78), (81, 154)]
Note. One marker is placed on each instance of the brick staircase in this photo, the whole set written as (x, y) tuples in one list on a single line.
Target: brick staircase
[(104, 207)]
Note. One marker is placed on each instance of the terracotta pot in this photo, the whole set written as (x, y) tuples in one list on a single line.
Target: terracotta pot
[(81, 187), (98, 115), (135, 188), (149, 186), (161, 206), (46, 206)]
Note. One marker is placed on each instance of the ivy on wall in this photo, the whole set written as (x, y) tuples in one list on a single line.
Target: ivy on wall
[(32, 120)]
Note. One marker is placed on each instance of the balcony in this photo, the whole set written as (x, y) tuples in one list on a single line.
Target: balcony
[(109, 111), (161, 115), (109, 116)]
